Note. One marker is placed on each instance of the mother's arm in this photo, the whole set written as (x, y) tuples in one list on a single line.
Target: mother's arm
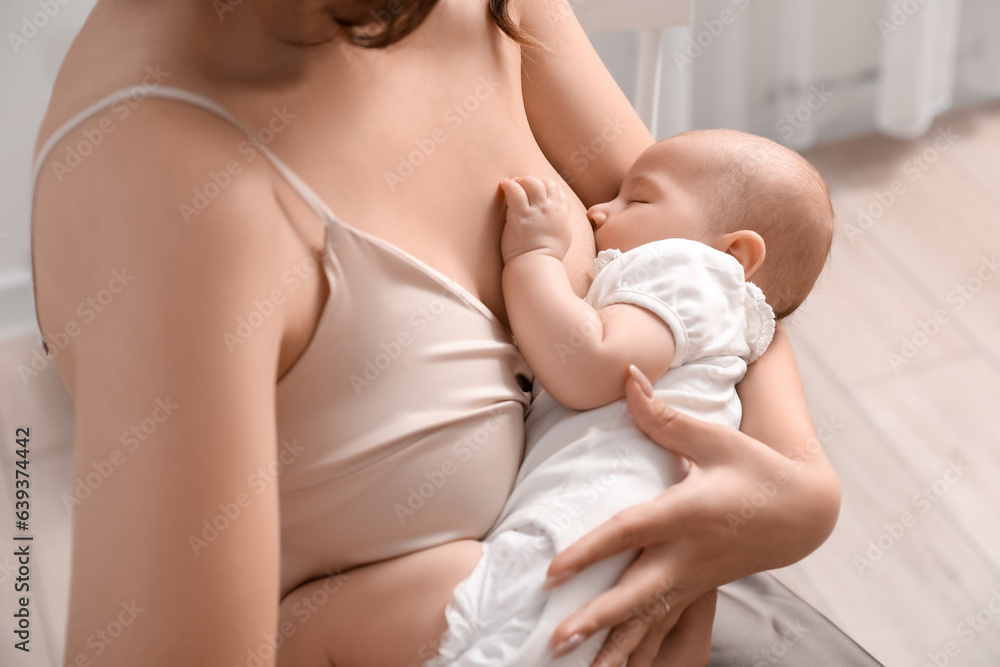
[(775, 412), (580, 118), (182, 421)]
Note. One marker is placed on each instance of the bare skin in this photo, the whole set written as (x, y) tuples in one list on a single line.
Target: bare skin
[(162, 337), (389, 613)]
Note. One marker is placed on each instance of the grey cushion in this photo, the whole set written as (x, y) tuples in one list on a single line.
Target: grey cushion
[(760, 623)]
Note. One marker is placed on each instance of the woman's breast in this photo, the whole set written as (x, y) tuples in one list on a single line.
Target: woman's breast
[(410, 144), (401, 425)]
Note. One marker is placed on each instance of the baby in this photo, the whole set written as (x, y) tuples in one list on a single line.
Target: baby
[(697, 216)]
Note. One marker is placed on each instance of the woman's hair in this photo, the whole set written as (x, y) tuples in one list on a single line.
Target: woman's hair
[(379, 23), (500, 16)]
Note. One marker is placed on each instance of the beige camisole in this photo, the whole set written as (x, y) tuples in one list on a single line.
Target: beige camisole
[(400, 426)]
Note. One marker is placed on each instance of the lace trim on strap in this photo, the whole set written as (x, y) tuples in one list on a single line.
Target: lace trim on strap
[(760, 321)]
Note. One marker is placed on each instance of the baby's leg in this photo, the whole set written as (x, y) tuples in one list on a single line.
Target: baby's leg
[(388, 614)]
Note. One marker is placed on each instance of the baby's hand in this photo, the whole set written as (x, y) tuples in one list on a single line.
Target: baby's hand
[(537, 218)]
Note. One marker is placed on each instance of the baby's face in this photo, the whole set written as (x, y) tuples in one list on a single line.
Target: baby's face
[(663, 196)]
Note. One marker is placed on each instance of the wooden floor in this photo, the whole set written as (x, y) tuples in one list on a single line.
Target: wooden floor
[(899, 349), (915, 561)]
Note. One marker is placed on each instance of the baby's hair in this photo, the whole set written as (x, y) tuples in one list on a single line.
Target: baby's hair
[(774, 191)]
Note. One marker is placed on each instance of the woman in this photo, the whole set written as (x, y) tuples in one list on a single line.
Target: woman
[(276, 330)]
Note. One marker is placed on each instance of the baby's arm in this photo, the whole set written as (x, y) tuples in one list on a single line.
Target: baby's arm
[(580, 355)]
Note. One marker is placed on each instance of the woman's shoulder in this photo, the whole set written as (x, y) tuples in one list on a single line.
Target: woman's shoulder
[(151, 158), (157, 187)]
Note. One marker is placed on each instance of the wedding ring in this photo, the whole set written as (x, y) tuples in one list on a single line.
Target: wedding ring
[(666, 605)]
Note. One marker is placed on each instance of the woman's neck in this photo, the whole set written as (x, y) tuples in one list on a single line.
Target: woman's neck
[(222, 41), (188, 42)]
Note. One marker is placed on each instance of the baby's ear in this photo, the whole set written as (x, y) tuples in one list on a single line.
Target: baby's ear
[(747, 247)]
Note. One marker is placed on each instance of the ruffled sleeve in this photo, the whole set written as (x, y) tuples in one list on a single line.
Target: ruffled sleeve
[(760, 321), (604, 258)]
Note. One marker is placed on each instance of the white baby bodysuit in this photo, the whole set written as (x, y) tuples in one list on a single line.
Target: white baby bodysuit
[(581, 468)]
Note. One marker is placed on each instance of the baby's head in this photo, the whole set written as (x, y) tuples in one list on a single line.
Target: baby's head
[(739, 193)]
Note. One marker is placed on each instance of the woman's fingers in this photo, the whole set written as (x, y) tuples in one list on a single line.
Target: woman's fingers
[(637, 645), (689, 643), (645, 653), (702, 442), (632, 528), (641, 596), (682, 638)]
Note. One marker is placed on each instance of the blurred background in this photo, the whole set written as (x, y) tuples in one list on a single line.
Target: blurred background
[(896, 102)]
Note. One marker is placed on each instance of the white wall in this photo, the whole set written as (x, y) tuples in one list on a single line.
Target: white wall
[(27, 71)]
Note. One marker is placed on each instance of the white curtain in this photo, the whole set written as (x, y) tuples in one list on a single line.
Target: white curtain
[(808, 71)]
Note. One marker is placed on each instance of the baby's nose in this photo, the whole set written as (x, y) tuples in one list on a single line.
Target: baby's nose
[(597, 215)]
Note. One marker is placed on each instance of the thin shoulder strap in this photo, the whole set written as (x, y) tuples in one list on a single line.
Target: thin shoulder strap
[(179, 95), (194, 99)]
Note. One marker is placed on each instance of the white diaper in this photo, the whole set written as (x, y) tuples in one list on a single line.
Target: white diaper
[(494, 609), (500, 616)]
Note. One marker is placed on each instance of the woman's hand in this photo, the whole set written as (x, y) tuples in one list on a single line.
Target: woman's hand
[(742, 508), (689, 642)]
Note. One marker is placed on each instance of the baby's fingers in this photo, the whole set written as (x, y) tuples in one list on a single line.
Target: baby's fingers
[(517, 198), (553, 190), (534, 187)]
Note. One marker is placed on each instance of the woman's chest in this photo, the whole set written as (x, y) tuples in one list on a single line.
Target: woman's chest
[(416, 160)]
